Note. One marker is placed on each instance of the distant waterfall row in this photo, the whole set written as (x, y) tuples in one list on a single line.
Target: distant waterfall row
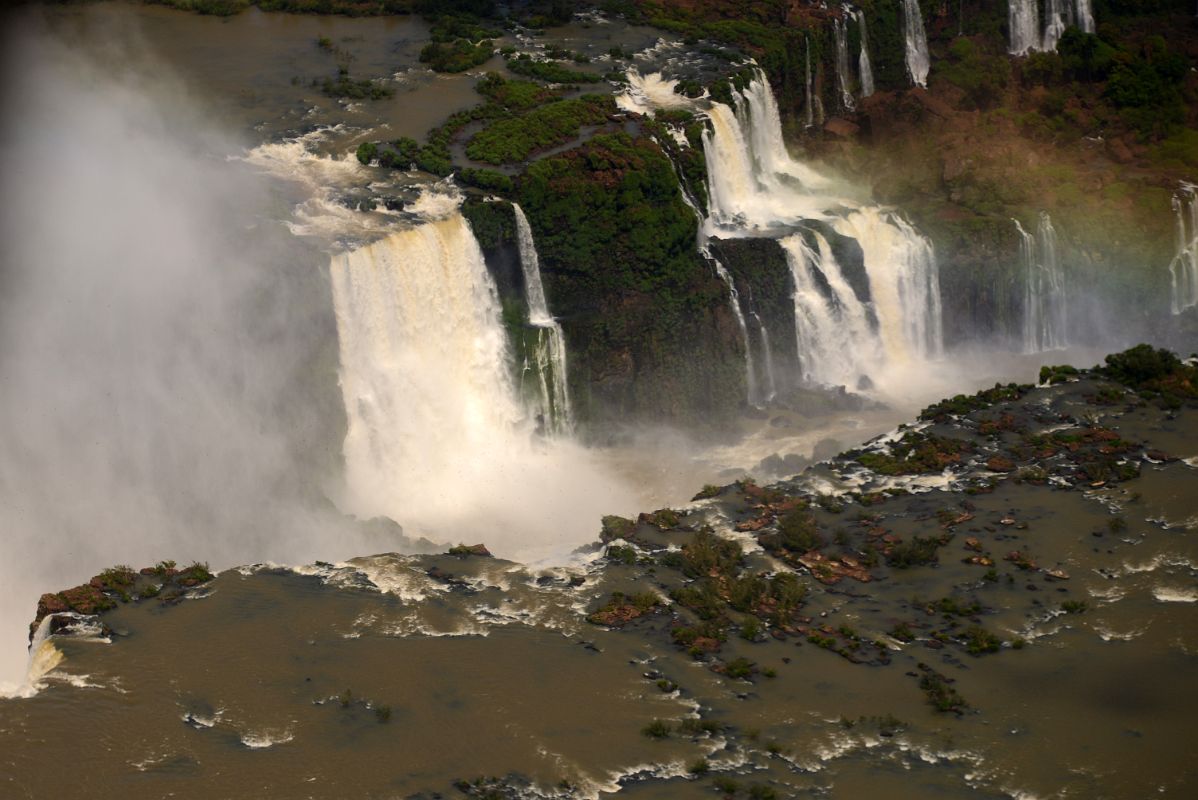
[(850, 329), (1045, 307), (1029, 32), (1183, 271)]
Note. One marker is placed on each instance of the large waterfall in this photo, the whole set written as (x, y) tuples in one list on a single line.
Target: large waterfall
[(850, 327), (1024, 22), (437, 436), (844, 79), (1045, 307), (547, 366), (863, 62), (1183, 270), (918, 60)]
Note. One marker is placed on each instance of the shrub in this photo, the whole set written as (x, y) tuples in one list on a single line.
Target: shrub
[(457, 56)]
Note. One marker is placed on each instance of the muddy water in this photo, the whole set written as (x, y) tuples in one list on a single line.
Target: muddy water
[(271, 681), (256, 70)]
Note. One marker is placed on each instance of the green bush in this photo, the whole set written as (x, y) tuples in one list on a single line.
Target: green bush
[(367, 152), (486, 179), (514, 139), (457, 56), (548, 71)]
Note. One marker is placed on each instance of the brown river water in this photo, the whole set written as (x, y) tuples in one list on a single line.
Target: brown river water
[(395, 676)]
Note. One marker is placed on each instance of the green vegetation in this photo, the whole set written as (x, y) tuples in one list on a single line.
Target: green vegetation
[(916, 551), (548, 71), (916, 453), (979, 641), (346, 87), (963, 404), (514, 95), (1153, 373), (494, 224), (940, 692), (657, 729), (515, 138), (980, 74), (457, 56)]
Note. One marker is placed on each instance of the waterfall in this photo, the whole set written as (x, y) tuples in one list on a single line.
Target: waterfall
[(1085, 16), (1183, 270), (866, 310), (552, 402), (810, 104), (863, 64), (831, 322), (423, 357), (904, 282), (1045, 313), (767, 354), (437, 438), (756, 186), (918, 61), (1056, 14), (1024, 22), (750, 370), (843, 79)]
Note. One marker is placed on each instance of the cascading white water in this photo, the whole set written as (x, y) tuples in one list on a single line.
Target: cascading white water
[(549, 349), (863, 63), (1085, 16), (1056, 20), (918, 60), (755, 187), (1024, 22), (1045, 308), (1183, 270), (437, 437), (903, 280), (831, 322), (844, 80)]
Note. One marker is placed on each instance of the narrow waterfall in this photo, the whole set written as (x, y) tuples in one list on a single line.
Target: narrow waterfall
[(1056, 20), (750, 370), (810, 103), (767, 356), (918, 60), (754, 395), (863, 63), (551, 404), (844, 80), (1085, 16), (1183, 270), (1045, 311), (1024, 23)]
